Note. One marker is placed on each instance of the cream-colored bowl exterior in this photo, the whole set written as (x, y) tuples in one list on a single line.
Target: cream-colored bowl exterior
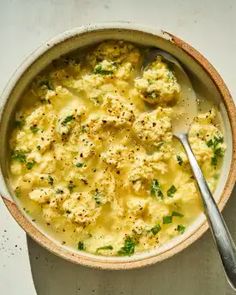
[(206, 82)]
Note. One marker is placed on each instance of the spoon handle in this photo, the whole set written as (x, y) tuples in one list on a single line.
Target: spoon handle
[(222, 237)]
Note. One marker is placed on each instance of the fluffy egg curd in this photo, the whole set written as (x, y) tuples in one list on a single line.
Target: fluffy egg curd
[(93, 157)]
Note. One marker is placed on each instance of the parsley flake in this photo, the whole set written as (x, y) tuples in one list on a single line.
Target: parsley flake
[(97, 197), (171, 191), (214, 161), (67, 120), (181, 228), (180, 160), (81, 246), (167, 219), (128, 248), (217, 151), (34, 129), (156, 189), (79, 165), (99, 70), (19, 155), (19, 123), (30, 165), (155, 229)]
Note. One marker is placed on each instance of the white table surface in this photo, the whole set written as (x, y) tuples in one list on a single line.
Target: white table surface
[(210, 26)]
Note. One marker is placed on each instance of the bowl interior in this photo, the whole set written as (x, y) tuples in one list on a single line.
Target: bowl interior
[(202, 83)]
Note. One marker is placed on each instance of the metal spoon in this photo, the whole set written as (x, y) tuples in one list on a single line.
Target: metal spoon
[(180, 126)]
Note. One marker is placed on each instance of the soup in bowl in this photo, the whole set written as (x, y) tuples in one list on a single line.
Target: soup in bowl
[(92, 163)]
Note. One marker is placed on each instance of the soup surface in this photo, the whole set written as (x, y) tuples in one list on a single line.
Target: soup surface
[(94, 161)]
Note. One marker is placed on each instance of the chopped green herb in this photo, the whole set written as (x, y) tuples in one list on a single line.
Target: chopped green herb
[(156, 229), (156, 189), (214, 142), (59, 191), (214, 161), (219, 139), (167, 219), (99, 70), (81, 246), (210, 143), (19, 123), (97, 197), (79, 165), (34, 129), (18, 192), (218, 151), (217, 154), (50, 180), (30, 165), (38, 147), (128, 248), (46, 83), (108, 247), (180, 160), (181, 228), (67, 120), (171, 191), (19, 156), (177, 214)]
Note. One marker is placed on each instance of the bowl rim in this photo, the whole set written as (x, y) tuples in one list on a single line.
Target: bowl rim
[(48, 243)]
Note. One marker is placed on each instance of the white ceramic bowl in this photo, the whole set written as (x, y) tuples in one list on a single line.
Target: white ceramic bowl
[(206, 82)]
